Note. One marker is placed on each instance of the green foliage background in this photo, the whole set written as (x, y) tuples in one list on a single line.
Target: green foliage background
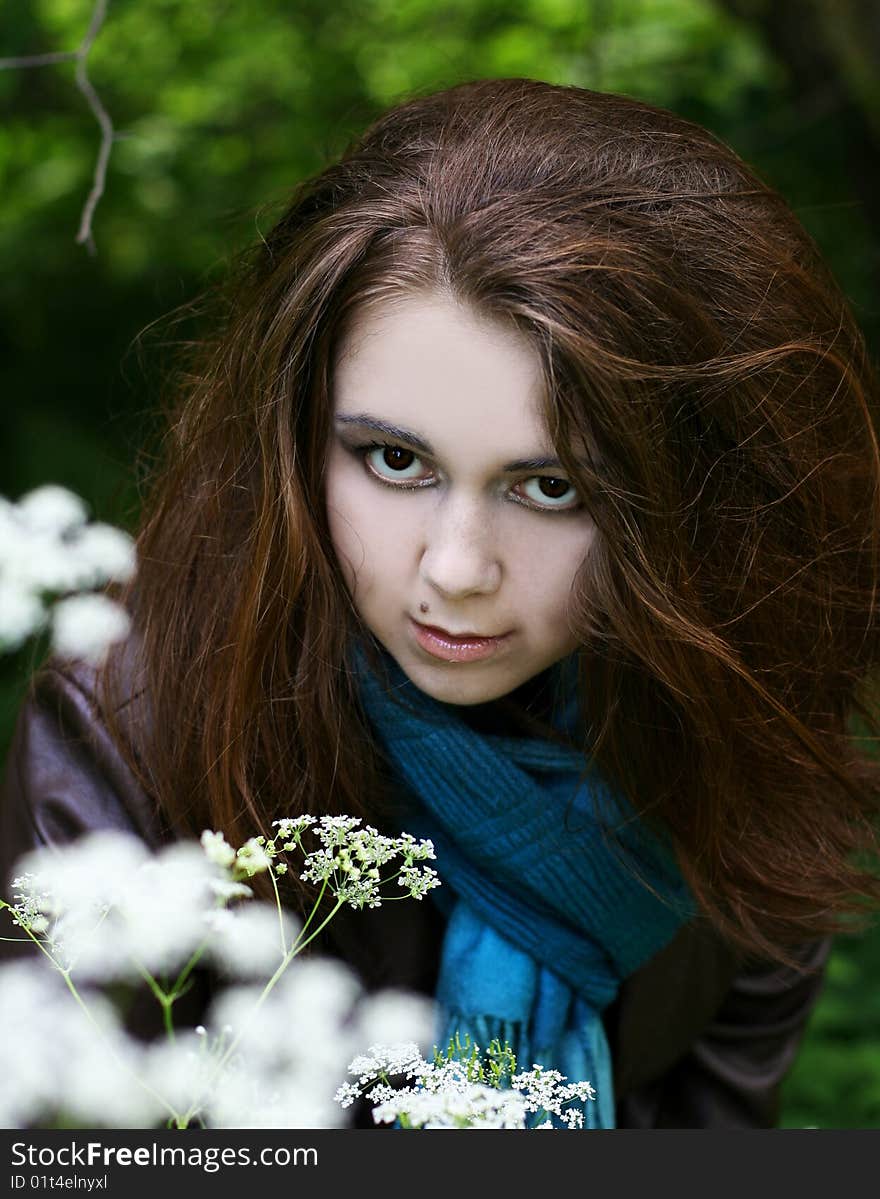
[(220, 107)]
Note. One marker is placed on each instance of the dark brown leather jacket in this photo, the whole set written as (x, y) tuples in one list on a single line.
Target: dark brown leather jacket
[(700, 1037)]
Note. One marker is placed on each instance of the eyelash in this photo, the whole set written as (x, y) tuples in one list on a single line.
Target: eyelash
[(361, 451)]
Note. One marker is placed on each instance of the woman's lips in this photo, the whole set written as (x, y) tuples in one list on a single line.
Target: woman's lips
[(440, 644)]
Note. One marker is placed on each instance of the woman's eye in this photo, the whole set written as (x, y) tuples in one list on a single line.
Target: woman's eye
[(545, 491), (393, 462)]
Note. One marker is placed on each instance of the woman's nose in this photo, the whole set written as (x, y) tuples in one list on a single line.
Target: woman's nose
[(460, 555)]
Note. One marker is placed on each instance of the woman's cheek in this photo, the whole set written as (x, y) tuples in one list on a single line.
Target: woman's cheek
[(367, 536), (344, 535)]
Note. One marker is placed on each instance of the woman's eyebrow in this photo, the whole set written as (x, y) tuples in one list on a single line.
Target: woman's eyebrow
[(396, 433)]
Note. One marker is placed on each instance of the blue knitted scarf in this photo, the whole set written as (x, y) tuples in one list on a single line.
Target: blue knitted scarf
[(545, 920)]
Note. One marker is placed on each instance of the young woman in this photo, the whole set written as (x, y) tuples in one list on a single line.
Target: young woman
[(526, 497)]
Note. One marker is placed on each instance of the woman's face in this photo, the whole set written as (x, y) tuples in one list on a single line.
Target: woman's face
[(458, 533)]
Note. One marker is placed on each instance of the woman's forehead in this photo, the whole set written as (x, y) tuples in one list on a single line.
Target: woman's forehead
[(428, 365)]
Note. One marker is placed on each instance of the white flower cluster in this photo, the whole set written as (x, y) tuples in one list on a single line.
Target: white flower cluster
[(108, 909), (350, 859), (548, 1092), (294, 1048), (108, 914), (49, 549), (450, 1094), (59, 1061)]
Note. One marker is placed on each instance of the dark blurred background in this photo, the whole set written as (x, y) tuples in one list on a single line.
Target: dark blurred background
[(219, 107)]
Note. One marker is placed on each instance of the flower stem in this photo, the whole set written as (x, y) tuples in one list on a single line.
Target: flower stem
[(84, 1007), (294, 950), (280, 912), (311, 914)]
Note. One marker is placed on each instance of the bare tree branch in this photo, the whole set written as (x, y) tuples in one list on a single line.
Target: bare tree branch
[(84, 84), (38, 60), (84, 236)]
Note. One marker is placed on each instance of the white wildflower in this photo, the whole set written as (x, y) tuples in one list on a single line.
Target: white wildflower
[(165, 908), (104, 554), (418, 880), (456, 1104), (38, 564), (30, 902), (85, 626), (548, 1091), (52, 509), (252, 858), (405, 1057), (110, 911), (347, 1094), (86, 1068), (102, 1079), (291, 1051), (389, 1017), (47, 548), (184, 1071), (246, 942), (292, 827), (335, 830), (117, 907), (456, 1092), (92, 872), (413, 850), (225, 890), (31, 1000), (302, 1021), (298, 1099), (350, 859), (217, 848), (21, 614)]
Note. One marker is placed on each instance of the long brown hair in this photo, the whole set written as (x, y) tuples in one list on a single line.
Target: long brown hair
[(692, 339)]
